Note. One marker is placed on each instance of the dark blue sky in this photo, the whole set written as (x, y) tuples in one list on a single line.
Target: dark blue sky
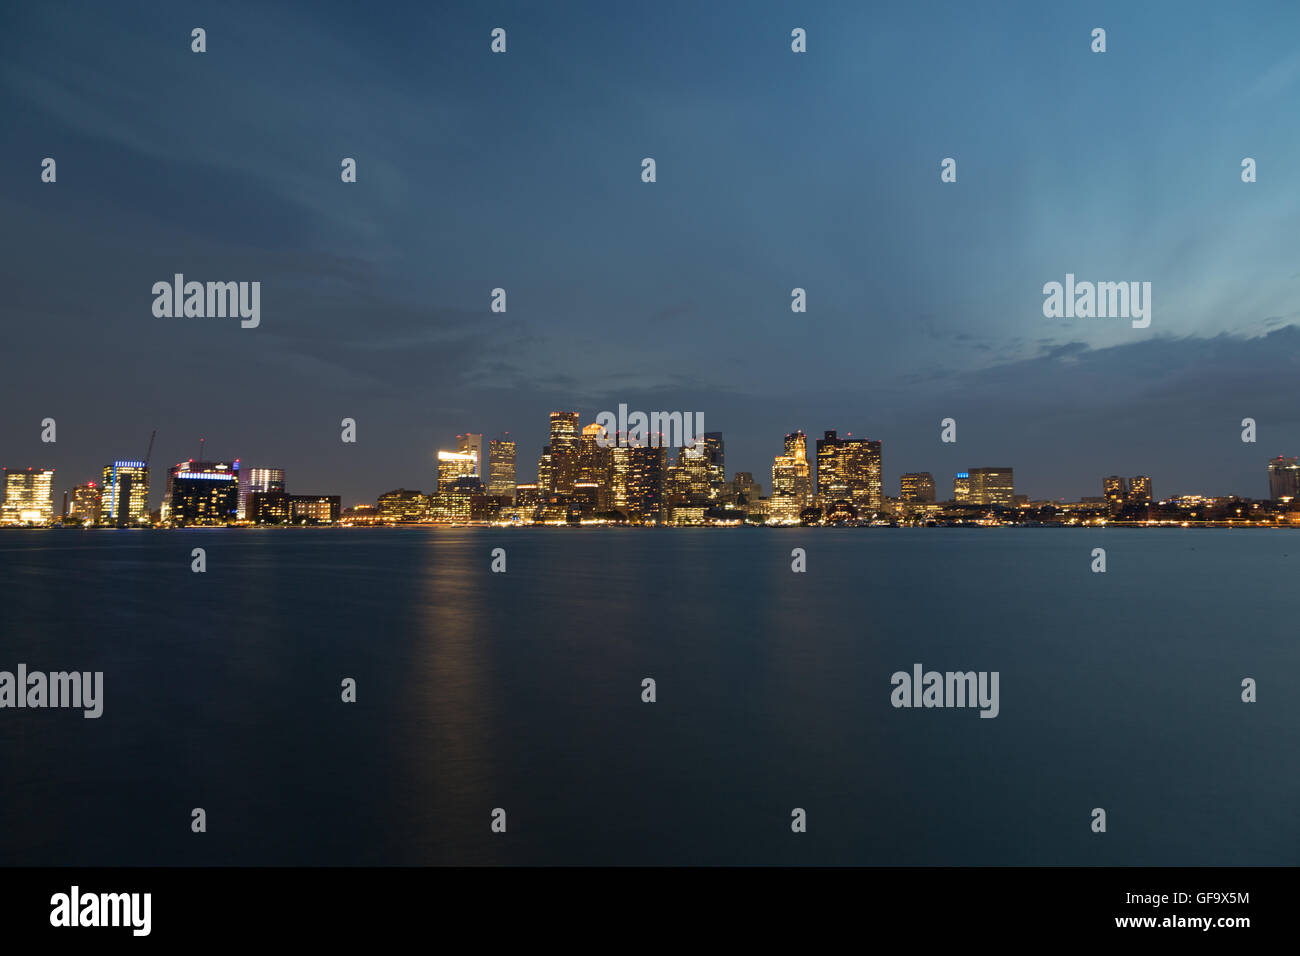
[(775, 170)]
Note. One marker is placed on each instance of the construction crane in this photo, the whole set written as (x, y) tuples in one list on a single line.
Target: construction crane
[(149, 453)]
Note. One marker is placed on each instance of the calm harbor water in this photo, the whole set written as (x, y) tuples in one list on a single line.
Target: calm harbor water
[(523, 691)]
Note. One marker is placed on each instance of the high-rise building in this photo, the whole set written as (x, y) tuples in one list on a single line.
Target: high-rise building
[(743, 486), (594, 463), (29, 496), (453, 501), (252, 480), (192, 467), (645, 486), (1139, 488), (848, 469), (992, 486), (501, 468), (916, 487), (125, 501), (546, 470), (86, 503), (1115, 488), (453, 465), (205, 493), (565, 440), (620, 477), (961, 488), (715, 454), (689, 481), (472, 444), (1283, 479), (791, 480)]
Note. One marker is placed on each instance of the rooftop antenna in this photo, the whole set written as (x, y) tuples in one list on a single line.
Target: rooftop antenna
[(201, 441)]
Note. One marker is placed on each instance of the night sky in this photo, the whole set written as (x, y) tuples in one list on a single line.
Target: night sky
[(775, 170)]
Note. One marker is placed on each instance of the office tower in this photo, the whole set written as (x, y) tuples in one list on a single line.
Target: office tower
[(402, 505), (594, 465), (645, 484), (453, 501), (848, 469), (1115, 488), (916, 487), (472, 444), (192, 467), (992, 486), (527, 495), (1139, 488), (546, 470), (961, 488), (1283, 479), (257, 479), (565, 440), (29, 496), (453, 465), (501, 468), (715, 454), (620, 477), (86, 503), (205, 493), (125, 501), (745, 488), (791, 480)]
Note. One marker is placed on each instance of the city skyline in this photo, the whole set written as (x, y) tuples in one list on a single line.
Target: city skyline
[(842, 476)]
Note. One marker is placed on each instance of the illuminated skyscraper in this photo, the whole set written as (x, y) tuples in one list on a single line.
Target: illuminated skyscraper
[(1115, 488), (86, 503), (453, 500), (205, 493), (645, 487), (992, 486), (620, 478), (472, 444), (791, 480), (564, 451), (501, 468), (689, 481), (715, 454), (125, 501), (29, 496), (546, 471), (848, 469), (253, 480), (453, 465), (916, 487), (594, 466), (1283, 479), (223, 469), (961, 488), (1139, 488)]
